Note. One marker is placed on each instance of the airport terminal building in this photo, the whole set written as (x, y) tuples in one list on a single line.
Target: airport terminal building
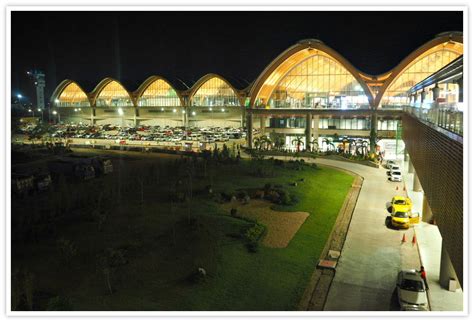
[(309, 90)]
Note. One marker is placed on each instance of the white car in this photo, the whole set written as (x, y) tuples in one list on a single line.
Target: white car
[(389, 163), (395, 175), (411, 291), (395, 167)]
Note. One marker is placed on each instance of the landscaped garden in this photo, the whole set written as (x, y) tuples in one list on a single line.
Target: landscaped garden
[(211, 233)]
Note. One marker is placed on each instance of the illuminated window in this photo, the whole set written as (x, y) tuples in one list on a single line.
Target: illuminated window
[(318, 82), (72, 96), (215, 92), (113, 94), (159, 93), (422, 67)]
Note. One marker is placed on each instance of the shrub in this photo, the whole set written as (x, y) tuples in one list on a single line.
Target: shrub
[(233, 212), (253, 235), (259, 194), (273, 196)]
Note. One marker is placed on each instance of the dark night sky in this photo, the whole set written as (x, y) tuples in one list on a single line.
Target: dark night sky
[(89, 46)]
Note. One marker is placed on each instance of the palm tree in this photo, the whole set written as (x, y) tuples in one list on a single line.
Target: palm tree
[(328, 144), (299, 142), (258, 143), (265, 140), (314, 145), (344, 141)]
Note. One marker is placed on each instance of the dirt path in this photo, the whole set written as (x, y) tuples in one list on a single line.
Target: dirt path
[(281, 225)]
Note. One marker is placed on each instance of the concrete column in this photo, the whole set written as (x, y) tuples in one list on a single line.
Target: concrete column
[(373, 131), (185, 116), (460, 90), (93, 121), (423, 95), (262, 124), (411, 169), (427, 214), (315, 126), (249, 130), (405, 155), (435, 92), (308, 132), (446, 269), (242, 117), (416, 182)]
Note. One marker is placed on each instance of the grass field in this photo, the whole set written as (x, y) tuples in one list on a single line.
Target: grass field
[(163, 242)]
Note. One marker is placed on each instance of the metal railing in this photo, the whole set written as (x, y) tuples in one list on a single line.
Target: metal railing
[(447, 117)]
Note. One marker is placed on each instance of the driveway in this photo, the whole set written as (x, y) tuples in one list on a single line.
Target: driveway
[(372, 254)]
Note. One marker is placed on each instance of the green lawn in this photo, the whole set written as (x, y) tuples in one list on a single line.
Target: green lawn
[(162, 249)]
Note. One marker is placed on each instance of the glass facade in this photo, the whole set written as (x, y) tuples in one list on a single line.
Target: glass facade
[(318, 82), (159, 93), (418, 70), (334, 123), (113, 94), (72, 96), (215, 92)]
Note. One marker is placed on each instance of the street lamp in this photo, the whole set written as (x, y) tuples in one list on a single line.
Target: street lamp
[(59, 116)]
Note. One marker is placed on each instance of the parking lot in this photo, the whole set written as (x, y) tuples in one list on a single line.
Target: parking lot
[(176, 138)]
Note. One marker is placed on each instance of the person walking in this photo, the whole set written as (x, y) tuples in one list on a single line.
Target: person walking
[(423, 276)]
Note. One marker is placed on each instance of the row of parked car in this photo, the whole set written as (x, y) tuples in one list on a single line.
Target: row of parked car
[(149, 133), (411, 288)]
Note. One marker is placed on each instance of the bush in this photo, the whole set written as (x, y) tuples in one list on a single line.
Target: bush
[(253, 235), (233, 212)]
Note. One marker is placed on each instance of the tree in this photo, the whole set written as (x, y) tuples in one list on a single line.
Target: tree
[(314, 145), (298, 141), (108, 262), (257, 142), (329, 144)]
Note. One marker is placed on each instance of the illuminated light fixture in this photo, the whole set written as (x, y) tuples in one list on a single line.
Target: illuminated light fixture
[(29, 110), (54, 112), (39, 110), (193, 113), (56, 101), (222, 110), (210, 109), (183, 111), (174, 110), (120, 111), (19, 96), (162, 109), (75, 110)]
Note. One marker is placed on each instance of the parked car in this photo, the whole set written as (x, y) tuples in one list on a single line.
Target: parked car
[(390, 163), (395, 176), (404, 219), (411, 291), (401, 203)]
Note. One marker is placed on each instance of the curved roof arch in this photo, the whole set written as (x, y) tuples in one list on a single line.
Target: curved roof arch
[(452, 41), (63, 86), (103, 84), (152, 79), (293, 56), (195, 88)]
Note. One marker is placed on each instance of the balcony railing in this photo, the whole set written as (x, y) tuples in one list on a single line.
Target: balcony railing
[(445, 116)]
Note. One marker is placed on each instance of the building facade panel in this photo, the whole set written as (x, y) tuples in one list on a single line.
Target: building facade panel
[(438, 162)]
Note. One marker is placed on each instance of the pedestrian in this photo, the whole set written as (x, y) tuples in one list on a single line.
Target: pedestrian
[(423, 276)]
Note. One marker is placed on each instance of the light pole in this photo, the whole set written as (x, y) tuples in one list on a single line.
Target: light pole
[(59, 116)]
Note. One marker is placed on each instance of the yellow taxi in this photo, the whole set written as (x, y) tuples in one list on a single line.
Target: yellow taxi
[(400, 203), (404, 219)]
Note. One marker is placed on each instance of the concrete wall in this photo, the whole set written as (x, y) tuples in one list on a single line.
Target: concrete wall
[(438, 161)]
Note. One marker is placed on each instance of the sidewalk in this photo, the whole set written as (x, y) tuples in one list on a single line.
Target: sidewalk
[(429, 244)]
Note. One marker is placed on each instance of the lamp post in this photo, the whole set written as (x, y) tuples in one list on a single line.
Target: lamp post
[(59, 116)]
